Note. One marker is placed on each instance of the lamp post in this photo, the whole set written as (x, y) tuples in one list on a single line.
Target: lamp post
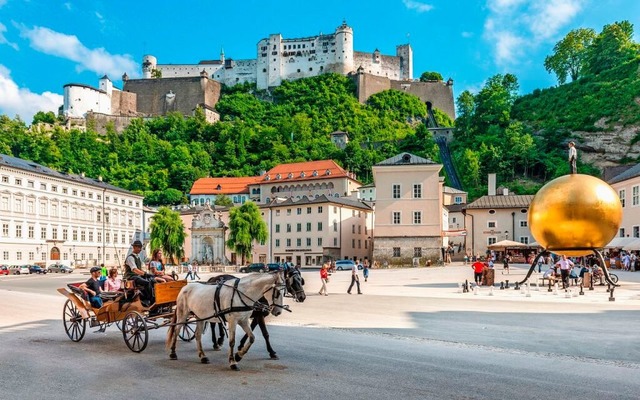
[(506, 235), (98, 259)]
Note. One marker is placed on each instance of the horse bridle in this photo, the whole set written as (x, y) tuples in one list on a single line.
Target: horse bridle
[(276, 291), (289, 278)]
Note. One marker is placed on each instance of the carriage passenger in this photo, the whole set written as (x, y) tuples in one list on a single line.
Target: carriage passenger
[(156, 267), (133, 271), (113, 283), (92, 288)]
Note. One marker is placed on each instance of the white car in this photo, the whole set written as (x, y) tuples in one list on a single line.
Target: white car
[(346, 265), (19, 270)]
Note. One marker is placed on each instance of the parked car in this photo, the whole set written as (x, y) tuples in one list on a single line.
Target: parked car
[(255, 267), (346, 265), (36, 269), (4, 270), (19, 270), (59, 268), (273, 266)]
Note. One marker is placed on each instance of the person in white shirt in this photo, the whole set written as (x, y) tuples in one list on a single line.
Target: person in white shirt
[(573, 158), (565, 269), (354, 279)]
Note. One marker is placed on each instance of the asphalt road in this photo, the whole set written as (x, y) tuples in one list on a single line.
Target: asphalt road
[(410, 336)]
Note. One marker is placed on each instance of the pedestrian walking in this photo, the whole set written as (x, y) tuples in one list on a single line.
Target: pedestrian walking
[(195, 272), (354, 279), (189, 272), (365, 270), (324, 278)]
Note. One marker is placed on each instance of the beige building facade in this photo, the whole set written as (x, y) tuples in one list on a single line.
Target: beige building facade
[(627, 185), (408, 210)]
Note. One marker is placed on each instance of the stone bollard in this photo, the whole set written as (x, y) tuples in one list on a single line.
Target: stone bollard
[(476, 290), (611, 298), (459, 287), (528, 293), (567, 293), (491, 290), (506, 286), (555, 288)]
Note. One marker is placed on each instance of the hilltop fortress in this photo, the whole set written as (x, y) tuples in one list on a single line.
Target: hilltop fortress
[(184, 87)]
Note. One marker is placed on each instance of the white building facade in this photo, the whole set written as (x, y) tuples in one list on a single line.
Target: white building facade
[(281, 59), (48, 217)]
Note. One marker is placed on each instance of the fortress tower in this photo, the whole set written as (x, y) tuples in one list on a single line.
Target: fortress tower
[(344, 49), (405, 53), (149, 63)]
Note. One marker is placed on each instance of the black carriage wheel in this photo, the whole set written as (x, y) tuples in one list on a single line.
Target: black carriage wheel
[(74, 325), (187, 331), (134, 331), (119, 325)]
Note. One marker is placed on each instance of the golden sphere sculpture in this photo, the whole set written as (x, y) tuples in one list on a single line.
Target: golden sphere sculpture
[(575, 212)]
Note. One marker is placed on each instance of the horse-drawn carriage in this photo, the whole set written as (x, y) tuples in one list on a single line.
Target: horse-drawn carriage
[(124, 309)]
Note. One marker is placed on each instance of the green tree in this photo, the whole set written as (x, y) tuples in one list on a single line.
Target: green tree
[(223, 200), (612, 47), (430, 76), (168, 233), (245, 226), (570, 54), (46, 117)]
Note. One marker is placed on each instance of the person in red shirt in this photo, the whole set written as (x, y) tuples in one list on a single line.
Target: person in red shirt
[(478, 267)]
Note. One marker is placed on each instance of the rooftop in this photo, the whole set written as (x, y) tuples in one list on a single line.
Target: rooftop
[(405, 159), (322, 169), (224, 185), (510, 201)]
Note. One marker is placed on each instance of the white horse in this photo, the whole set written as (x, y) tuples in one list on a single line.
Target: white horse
[(233, 300)]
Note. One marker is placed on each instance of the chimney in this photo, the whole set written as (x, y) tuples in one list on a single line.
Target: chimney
[(505, 191), (492, 184)]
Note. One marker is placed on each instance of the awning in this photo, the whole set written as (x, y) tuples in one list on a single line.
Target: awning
[(507, 244), (619, 242), (633, 245)]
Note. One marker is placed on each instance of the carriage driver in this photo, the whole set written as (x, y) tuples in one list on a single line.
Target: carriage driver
[(133, 271)]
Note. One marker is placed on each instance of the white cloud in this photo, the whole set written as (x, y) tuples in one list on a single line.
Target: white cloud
[(23, 102), (2, 2), (68, 6), (515, 26), (466, 35), (418, 6), (69, 47), (3, 40)]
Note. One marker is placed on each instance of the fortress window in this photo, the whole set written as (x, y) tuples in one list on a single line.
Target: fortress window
[(304, 46), (310, 69), (274, 46), (264, 70), (298, 69), (312, 44)]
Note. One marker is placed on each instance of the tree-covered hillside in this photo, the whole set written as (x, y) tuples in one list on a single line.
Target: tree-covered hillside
[(161, 158)]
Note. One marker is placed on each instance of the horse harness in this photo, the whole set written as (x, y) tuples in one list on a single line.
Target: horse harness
[(219, 312)]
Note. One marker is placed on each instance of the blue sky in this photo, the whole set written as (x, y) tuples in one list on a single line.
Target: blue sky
[(45, 44)]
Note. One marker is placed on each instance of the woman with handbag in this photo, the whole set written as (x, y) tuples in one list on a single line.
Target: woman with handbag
[(324, 277)]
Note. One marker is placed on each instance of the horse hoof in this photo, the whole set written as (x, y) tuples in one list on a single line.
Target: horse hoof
[(238, 357), (216, 348), (274, 357), (220, 342), (204, 360), (173, 356), (235, 367)]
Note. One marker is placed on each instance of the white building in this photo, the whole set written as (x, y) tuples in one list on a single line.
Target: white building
[(47, 216), (281, 59), (80, 99)]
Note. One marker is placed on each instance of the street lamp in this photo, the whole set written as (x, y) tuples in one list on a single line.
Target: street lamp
[(506, 235)]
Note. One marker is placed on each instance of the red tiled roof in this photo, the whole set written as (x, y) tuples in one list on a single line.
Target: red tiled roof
[(305, 171), (223, 185)]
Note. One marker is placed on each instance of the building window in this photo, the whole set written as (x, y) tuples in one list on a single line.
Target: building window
[(308, 241), (5, 179), (31, 209), (636, 231), (18, 182), (43, 186), (277, 242), (74, 192), (54, 233), (288, 227), (4, 203), (308, 210), (298, 242), (395, 219), (288, 211), (98, 216), (277, 228), (299, 211), (353, 229), (319, 241), (65, 191), (277, 213), (31, 232), (417, 217), (65, 234), (417, 191), (622, 193), (5, 255), (457, 200), (635, 193), (395, 191), (491, 240), (288, 242), (319, 226), (491, 224), (83, 236), (18, 231), (5, 230), (308, 226), (74, 235), (43, 208), (319, 209), (417, 251), (335, 226), (524, 239), (19, 255), (335, 242), (30, 184), (621, 232), (32, 256), (523, 224), (299, 227), (18, 205), (396, 251), (43, 233)]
